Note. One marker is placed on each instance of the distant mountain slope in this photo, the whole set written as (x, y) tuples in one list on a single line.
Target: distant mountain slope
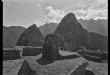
[(97, 41), (99, 26), (11, 35), (48, 28), (77, 36)]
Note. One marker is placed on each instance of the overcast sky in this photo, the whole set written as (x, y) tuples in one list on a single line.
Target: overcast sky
[(26, 12)]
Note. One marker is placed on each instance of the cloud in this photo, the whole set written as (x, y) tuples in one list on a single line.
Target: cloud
[(84, 9), (97, 14), (91, 14), (39, 5), (38, 23), (89, 9), (23, 0), (25, 11), (54, 15), (2, 0)]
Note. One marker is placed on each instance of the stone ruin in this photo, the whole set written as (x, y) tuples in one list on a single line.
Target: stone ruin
[(50, 54)]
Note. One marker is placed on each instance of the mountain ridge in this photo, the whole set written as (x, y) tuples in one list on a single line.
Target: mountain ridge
[(11, 33)]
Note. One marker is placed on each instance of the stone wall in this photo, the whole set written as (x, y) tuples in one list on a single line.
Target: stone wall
[(11, 54), (31, 51)]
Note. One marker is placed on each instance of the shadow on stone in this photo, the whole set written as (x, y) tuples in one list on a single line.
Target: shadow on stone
[(99, 57), (81, 70), (92, 58), (26, 70), (88, 72)]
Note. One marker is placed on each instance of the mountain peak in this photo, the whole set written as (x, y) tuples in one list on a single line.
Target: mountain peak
[(68, 24), (70, 16), (33, 26)]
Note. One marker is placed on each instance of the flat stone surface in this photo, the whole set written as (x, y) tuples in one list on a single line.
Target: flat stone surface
[(11, 67)]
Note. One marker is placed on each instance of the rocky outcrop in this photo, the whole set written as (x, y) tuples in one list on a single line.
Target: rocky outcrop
[(31, 37), (48, 28), (26, 70), (76, 36)]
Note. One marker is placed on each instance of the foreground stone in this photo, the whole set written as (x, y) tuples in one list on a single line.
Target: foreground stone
[(26, 70), (61, 67), (81, 70)]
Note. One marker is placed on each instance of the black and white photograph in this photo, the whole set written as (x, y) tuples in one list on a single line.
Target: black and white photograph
[(55, 37)]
